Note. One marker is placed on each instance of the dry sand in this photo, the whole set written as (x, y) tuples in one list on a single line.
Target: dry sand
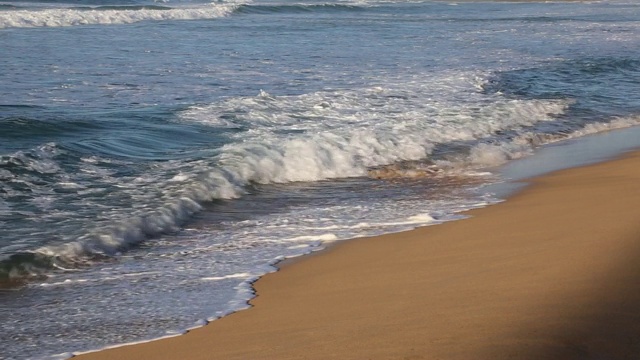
[(552, 273)]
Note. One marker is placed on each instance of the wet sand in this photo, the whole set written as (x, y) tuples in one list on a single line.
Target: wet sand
[(552, 273)]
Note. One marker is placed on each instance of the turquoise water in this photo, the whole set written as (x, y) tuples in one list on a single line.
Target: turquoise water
[(157, 157)]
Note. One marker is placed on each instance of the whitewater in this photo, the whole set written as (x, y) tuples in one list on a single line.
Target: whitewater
[(156, 158)]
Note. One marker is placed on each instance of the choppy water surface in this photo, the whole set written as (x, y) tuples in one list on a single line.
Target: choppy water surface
[(157, 157)]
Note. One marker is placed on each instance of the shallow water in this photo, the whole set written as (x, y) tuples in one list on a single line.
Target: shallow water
[(156, 157)]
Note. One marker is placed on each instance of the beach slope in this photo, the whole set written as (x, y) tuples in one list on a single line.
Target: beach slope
[(552, 273)]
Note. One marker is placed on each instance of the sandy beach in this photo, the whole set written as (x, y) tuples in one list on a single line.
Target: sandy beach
[(551, 273)]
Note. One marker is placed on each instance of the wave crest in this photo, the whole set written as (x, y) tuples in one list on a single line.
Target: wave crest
[(109, 15)]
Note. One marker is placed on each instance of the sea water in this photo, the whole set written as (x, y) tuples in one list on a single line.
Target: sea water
[(156, 157)]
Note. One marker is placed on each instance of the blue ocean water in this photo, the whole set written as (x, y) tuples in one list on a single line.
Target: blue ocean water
[(158, 156)]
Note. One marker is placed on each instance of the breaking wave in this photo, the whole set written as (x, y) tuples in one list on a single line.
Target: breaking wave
[(282, 139), (108, 15)]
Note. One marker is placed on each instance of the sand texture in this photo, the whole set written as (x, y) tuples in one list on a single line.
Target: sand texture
[(552, 273)]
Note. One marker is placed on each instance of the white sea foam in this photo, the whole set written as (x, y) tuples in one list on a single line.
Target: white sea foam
[(305, 238), (100, 279), (242, 275), (66, 282), (74, 17), (351, 131), (420, 219)]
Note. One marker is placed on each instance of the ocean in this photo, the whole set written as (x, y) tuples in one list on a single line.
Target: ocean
[(157, 157)]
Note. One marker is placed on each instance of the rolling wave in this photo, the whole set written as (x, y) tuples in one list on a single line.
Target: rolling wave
[(310, 137), (282, 139), (22, 128), (108, 15)]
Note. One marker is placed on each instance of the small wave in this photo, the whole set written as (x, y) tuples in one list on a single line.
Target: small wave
[(108, 15), (567, 78), (19, 106), (297, 8), (99, 245), (23, 127), (598, 127), (494, 154), (26, 265)]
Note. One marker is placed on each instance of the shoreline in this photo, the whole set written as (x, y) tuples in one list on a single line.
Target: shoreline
[(286, 321)]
